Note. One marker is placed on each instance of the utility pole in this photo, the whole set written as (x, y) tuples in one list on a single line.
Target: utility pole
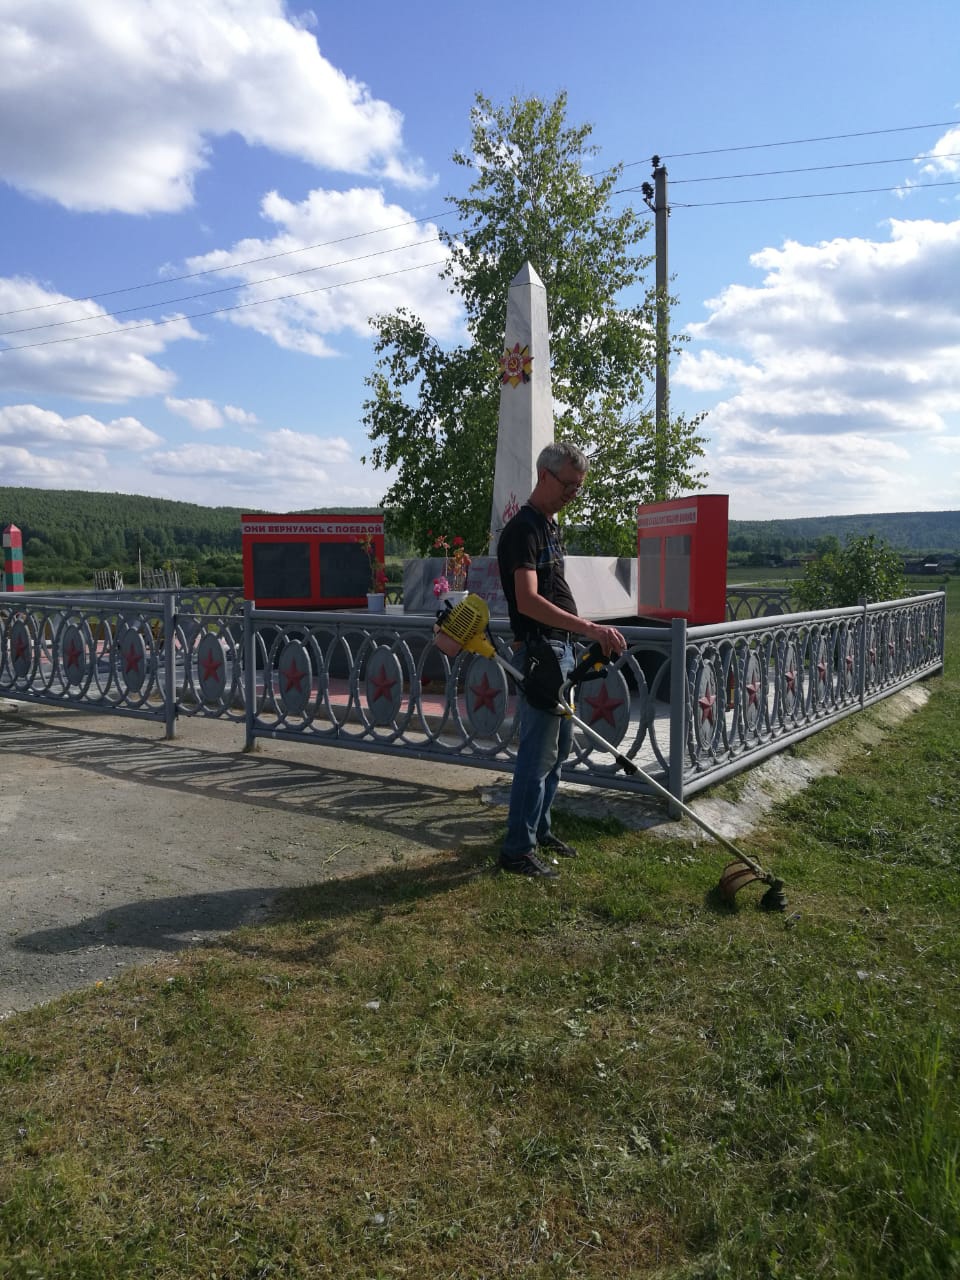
[(655, 198)]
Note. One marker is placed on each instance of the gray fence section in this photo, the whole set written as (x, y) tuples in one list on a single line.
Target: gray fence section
[(690, 706), (755, 687)]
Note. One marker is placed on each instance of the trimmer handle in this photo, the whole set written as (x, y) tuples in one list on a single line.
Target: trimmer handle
[(591, 665)]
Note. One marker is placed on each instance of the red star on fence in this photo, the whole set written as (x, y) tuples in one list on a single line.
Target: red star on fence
[(20, 647), (603, 706), (753, 691), (131, 659), (73, 655), (294, 677), (209, 667), (706, 706), (485, 694), (382, 685), (790, 679)]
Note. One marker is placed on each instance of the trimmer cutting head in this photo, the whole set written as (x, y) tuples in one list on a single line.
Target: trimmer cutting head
[(737, 874)]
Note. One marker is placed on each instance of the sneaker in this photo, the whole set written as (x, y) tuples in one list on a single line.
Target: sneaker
[(528, 865), (553, 844)]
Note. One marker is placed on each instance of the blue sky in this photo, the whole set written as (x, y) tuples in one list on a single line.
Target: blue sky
[(160, 160)]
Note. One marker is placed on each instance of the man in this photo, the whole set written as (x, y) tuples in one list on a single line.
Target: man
[(530, 556)]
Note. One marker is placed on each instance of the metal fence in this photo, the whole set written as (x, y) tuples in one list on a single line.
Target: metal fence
[(690, 706)]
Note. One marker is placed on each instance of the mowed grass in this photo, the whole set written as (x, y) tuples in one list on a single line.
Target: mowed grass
[(441, 1072)]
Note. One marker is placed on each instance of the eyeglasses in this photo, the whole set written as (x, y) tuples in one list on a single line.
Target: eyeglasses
[(568, 486)]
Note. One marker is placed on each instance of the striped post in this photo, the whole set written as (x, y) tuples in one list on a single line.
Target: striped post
[(12, 576)]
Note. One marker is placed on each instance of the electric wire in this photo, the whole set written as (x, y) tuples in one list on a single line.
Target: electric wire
[(796, 142), (815, 168), (216, 311), (448, 213), (811, 195), (209, 293), (229, 266)]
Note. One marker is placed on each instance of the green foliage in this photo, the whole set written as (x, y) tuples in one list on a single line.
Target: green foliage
[(864, 569), (433, 412)]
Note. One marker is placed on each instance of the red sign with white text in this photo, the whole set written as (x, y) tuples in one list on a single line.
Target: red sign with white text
[(309, 562)]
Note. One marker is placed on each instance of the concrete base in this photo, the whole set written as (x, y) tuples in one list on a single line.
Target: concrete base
[(604, 587)]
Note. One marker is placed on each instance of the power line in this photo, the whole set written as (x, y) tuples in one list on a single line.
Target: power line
[(229, 266), (152, 284), (796, 142), (209, 293), (239, 306), (812, 195), (815, 168)]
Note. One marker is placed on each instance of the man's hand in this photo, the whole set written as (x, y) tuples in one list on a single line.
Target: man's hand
[(609, 639)]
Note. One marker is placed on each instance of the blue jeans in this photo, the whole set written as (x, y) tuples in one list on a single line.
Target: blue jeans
[(545, 741)]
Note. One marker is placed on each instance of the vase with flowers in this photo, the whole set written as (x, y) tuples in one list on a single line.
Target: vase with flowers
[(452, 583), (377, 586)]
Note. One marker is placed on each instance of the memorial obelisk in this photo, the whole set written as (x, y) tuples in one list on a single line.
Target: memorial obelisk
[(526, 401)]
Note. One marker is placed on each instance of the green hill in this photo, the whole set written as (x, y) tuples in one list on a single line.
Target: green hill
[(910, 532)]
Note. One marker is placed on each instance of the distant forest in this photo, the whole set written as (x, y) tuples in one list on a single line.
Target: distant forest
[(68, 534)]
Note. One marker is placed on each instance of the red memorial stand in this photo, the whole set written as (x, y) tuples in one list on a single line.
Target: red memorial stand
[(309, 562), (682, 559)]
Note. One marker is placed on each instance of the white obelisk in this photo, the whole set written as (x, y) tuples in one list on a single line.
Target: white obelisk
[(526, 401)]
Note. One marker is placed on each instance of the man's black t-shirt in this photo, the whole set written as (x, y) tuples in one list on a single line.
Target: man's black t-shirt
[(531, 541)]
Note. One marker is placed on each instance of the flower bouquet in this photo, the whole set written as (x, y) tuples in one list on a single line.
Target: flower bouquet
[(456, 562), (378, 570)]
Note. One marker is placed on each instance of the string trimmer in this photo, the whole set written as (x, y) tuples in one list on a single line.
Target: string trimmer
[(465, 626)]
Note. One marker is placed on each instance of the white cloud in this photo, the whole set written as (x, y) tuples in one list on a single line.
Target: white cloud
[(838, 376), (288, 470), (111, 105), (943, 160), (35, 471), (203, 415), (241, 416), (38, 353), (358, 270), (31, 425)]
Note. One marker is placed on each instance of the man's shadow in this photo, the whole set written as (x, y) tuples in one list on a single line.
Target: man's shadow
[(175, 923)]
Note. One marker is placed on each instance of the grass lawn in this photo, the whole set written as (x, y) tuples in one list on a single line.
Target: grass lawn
[(440, 1072)]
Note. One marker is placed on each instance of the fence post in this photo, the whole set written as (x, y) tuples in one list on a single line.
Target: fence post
[(249, 675), (863, 653), (170, 666), (678, 710)]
